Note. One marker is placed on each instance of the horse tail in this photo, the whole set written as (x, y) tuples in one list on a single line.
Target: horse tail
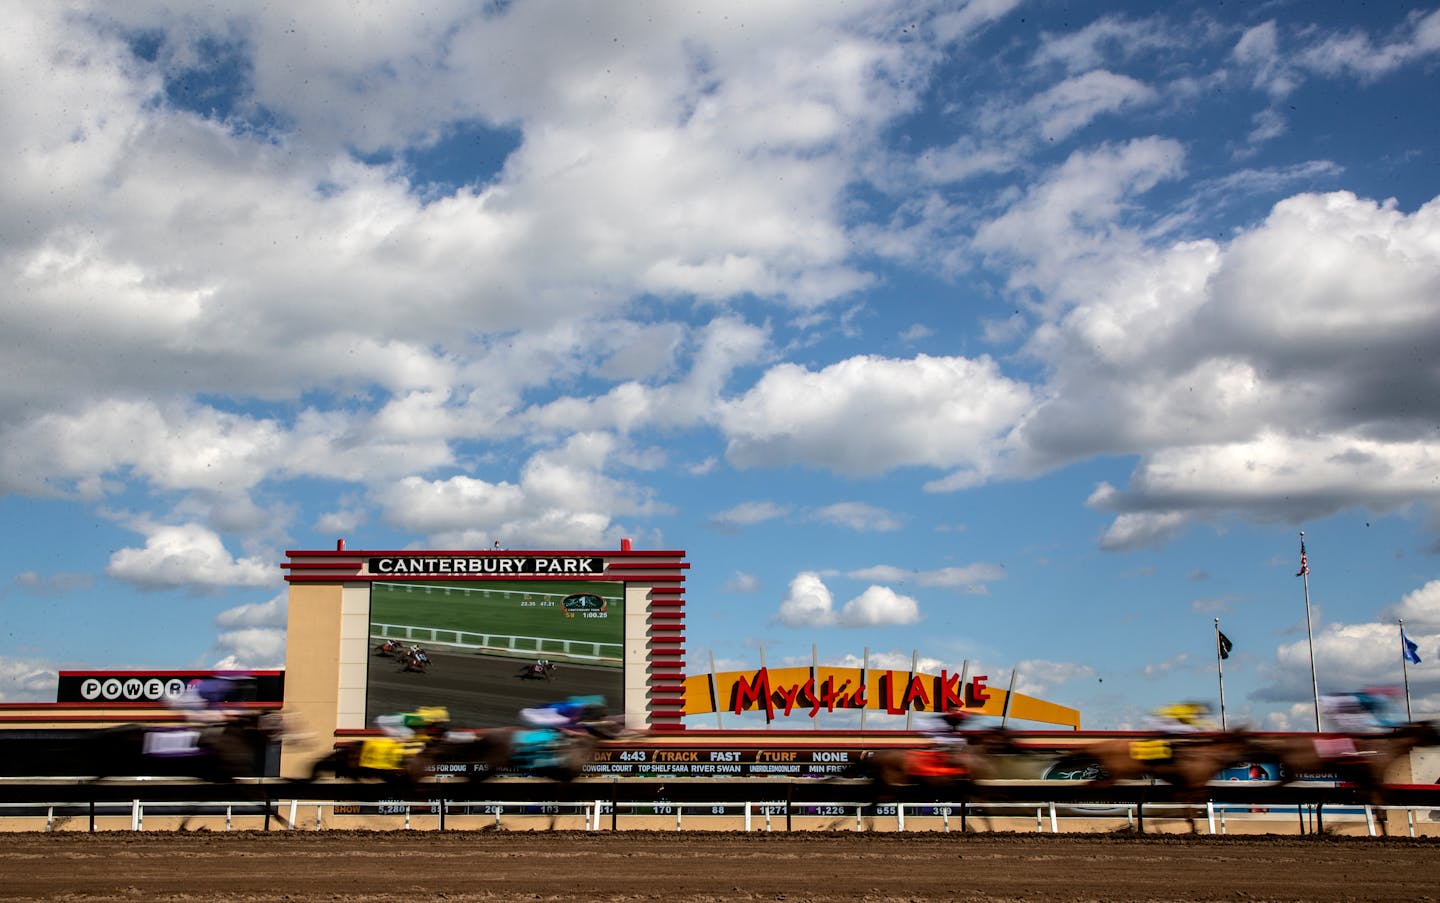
[(339, 763)]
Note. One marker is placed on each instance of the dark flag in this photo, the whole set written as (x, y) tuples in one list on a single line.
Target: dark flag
[(1304, 562), (1225, 644), (1410, 650)]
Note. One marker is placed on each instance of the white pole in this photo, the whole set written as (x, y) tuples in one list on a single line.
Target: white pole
[(763, 667), (1009, 695), (964, 684), (1219, 670), (1309, 633), (865, 685), (715, 693), (1405, 670), (815, 679), (914, 664)]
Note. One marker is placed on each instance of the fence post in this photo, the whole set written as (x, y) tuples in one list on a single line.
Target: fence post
[(747, 816), (137, 817), (900, 817), (294, 813), (1210, 814), (1054, 822)]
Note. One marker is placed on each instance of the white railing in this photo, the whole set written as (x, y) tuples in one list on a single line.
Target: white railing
[(526, 646), (755, 815)]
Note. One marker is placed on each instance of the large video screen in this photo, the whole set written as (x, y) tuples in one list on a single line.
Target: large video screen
[(483, 641)]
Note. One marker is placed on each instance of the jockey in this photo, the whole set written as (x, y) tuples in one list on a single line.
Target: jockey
[(565, 714), (212, 699), (1181, 718), (426, 722), (1361, 712), (946, 727)]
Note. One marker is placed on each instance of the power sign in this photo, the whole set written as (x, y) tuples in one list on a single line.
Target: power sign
[(157, 687)]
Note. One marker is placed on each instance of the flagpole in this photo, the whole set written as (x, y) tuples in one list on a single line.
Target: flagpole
[(1309, 633), (1405, 669), (1220, 671)]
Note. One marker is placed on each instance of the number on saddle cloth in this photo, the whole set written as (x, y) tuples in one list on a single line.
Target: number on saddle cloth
[(386, 753), (1331, 748), (172, 743), (536, 748), (934, 763), (1150, 750)]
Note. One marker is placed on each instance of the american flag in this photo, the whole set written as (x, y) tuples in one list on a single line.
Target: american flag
[(1304, 562)]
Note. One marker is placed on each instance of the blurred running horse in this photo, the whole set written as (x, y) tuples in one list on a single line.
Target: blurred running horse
[(1186, 762), (1363, 760)]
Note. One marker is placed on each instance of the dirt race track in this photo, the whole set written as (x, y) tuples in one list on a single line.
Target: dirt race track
[(686, 867)]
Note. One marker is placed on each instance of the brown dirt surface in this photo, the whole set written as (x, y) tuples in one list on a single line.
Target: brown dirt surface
[(692, 867)]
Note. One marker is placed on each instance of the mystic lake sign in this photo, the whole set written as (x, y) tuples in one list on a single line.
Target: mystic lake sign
[(809, 692)]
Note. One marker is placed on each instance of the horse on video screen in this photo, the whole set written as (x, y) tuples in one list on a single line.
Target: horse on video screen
[(543, 669)]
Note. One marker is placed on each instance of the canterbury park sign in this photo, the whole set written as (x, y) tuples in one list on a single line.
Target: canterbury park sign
[(486, 565)]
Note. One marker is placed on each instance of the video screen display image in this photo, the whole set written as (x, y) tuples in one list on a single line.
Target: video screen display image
[(483, 641)]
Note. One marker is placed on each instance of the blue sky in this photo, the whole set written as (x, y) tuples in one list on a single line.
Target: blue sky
[(1023, 334)]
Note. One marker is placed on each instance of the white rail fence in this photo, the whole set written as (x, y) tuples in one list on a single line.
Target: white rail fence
[(757, 815)]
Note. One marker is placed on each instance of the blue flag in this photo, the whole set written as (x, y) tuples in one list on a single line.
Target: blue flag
[(1410, 650)]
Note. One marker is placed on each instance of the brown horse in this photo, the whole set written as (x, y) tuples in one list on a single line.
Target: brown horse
[(559, 754), (402, 763), (1361, 760), (899, 775), (1187, 762), (219, 752)]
